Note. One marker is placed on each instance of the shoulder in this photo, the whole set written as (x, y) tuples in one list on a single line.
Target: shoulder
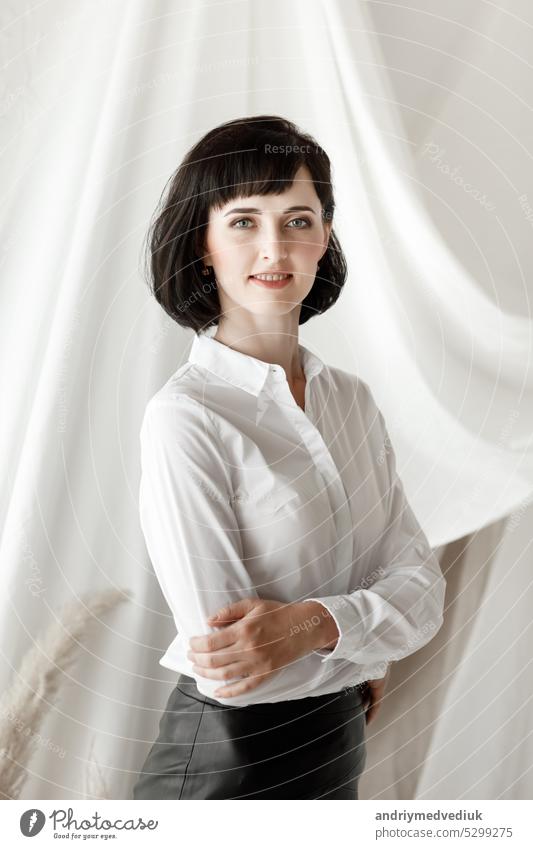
[(355, 391), (188, 381), (176, 409), (179, 440), (184, 391)]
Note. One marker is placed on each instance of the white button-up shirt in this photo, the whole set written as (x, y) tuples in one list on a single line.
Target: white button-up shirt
[(244, 494)]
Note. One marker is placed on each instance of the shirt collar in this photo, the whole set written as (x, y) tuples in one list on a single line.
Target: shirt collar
[(243, 370)]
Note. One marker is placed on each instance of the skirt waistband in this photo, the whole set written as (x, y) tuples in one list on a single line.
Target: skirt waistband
[(349, 698)]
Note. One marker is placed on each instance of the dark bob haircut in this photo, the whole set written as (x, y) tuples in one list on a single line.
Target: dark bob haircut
[(232, 160)]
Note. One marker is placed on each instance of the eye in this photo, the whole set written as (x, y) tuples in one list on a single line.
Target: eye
[(305, 220)]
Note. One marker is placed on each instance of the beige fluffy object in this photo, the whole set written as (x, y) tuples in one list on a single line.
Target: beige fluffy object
[(34, 690)]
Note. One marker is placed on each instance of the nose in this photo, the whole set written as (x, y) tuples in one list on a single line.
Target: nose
[(274, 250), (272, 246)]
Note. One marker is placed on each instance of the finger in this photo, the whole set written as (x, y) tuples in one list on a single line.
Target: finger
[(372, 712), (215, 641), (375, 696), (216, 659), (240, 687), (227, 671), (377, 693), (231, 612)]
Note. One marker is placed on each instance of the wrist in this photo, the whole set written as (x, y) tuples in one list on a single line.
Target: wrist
[(319, 626)]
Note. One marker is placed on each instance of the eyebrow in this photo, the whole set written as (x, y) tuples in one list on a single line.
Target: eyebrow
[(258, 211)]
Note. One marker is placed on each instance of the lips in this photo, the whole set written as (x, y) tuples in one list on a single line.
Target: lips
[(272, 284)]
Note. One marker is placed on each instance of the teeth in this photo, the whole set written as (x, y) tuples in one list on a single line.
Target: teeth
[(271, 276)]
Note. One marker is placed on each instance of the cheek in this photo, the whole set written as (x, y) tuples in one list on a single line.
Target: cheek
[(308, 252), (235, 253)]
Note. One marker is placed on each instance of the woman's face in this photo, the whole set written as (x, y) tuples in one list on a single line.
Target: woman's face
[(266, 234)]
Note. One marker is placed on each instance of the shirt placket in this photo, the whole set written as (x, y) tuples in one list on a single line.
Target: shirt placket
[(323, 462)]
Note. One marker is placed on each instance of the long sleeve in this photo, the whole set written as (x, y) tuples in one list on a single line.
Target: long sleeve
[(193, 538), (190, 528), (400, 607)]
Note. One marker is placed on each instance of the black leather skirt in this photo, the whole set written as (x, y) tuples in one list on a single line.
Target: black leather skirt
[(311, 748)]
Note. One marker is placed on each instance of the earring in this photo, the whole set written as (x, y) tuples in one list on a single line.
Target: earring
[(206, 271)]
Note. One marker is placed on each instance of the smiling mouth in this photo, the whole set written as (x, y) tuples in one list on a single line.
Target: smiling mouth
[(271, 281)]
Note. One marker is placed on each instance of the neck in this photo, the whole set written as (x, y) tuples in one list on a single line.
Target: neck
[(271, 347)]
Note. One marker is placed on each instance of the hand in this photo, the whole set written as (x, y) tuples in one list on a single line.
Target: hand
[(259, 638), (373, 694)]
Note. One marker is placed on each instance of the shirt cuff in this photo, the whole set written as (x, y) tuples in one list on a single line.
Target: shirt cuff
[(349, 624)]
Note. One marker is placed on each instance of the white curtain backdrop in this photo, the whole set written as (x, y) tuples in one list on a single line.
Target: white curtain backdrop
[(426, 114)]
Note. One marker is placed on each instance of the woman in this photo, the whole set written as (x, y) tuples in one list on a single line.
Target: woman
[(274, 517)]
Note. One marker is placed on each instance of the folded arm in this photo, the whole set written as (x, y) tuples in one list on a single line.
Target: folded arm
[(191, 531)]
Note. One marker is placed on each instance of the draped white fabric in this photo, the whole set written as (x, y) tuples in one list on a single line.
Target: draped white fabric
[(100, 102)]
